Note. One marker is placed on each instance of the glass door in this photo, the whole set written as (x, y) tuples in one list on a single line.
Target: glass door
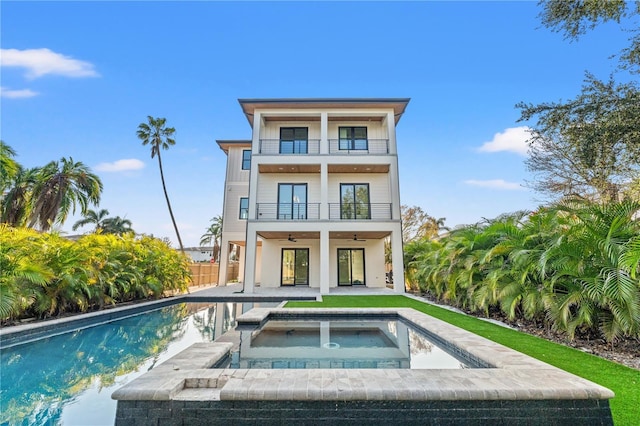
[(295, 267), (292, 201), (351, 266)]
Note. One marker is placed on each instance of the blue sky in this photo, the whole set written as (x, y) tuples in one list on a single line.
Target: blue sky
[(78, 77)]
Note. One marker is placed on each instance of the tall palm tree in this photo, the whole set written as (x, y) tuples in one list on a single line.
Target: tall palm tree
[(92, 217), (60, 187), (213, 234), (155, 133)]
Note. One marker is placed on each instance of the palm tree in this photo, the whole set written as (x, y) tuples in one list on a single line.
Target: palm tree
[(60, 186), (92, 217), (213, 234), (8, 166), (15, 204), (116, 225), (158, 136)]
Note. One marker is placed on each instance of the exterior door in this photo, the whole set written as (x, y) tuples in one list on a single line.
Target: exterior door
[(351, 266), (295, 267), (292, 201), (354, 201)]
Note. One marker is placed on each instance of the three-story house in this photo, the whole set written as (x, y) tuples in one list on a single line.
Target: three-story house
[(314, 196)]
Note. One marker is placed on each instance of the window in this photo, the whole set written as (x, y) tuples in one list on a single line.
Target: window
[(246, 159), (295, 267), (292, 201), (353, 138), (350, 266), (244, 208), (354, 201), (294, 140)]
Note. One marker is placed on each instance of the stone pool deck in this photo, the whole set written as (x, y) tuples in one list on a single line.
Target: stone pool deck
[(517, 389)]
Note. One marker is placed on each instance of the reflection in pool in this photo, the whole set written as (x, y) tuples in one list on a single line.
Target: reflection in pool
[(339, 344), (68, 379)]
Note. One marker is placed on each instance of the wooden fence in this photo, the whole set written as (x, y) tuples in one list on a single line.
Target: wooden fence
[(207, 273)]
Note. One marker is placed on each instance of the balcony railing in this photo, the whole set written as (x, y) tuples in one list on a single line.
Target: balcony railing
[(311, 211), (358, 146), (312, 147), (288, 147), (360, 211), (288, 211)]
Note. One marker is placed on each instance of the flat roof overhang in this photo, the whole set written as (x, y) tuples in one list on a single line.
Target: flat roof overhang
[(225, 144), (250, 105)]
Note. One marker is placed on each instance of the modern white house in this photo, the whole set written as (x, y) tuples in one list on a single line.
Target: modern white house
[(312, 198)]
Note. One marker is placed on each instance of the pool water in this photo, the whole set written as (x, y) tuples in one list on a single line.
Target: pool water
[(384, 343), (68, 379)]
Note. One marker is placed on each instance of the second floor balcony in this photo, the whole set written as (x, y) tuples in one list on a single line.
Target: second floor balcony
[(312, 211), (330, 146)]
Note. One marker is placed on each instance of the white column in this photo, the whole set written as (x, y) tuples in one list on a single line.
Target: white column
[(397, 260), (324, 261), (391, 132), (250, 260), (324, 191), (251, 234), (324, 131), (223, 257)]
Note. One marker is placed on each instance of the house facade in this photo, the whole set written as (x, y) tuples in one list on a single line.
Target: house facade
[(313, 198)]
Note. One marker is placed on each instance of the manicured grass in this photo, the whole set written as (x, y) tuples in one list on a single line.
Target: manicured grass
[(624, 381)]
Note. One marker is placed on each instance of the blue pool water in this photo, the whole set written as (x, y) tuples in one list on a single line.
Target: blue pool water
[(68, 379)]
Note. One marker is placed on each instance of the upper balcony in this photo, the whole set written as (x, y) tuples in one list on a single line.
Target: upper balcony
[(315, 147)]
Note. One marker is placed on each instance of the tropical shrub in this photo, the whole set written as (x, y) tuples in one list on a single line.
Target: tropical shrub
[(573, 266), (44, 274)]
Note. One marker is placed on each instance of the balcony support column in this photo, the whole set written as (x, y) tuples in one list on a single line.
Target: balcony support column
[(324, 191), (397, 260), (250, 255), (324, 261), (324, 131)]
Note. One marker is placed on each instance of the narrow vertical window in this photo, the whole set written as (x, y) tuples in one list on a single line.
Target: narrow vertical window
[(246, 159), (244, 208)]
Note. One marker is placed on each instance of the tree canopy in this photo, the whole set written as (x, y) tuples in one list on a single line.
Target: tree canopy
[(587, 146), (575, 18)]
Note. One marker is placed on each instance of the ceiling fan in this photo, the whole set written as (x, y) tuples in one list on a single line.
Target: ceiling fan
[(355, 238), (290, 238)]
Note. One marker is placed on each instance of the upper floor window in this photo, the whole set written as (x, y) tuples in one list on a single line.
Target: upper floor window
[(294, 140), (246, 159), (353, 138), (292, 201), (354, 201), (244, 208)]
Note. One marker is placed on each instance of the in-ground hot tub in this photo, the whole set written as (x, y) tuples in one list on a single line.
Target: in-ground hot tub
[(512, 388)]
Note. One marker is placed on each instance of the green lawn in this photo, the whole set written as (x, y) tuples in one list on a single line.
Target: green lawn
[(624, 381)]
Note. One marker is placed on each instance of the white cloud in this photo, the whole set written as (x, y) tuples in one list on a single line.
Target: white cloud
[(496, 184), (40, 62), (16, 94), (513, 139), (124, 165)]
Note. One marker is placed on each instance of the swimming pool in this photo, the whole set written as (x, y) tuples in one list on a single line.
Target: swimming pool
[(68, 378), (340, 343), (512, 388)]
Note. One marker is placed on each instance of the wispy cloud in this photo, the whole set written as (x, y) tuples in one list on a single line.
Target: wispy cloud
[(17, 94), (496, 184), (513, 139), (40, 62), (124, 165)]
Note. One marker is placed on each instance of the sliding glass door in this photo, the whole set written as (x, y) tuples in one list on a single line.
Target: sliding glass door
[(292, 201), (295, 267), (351, 266)]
